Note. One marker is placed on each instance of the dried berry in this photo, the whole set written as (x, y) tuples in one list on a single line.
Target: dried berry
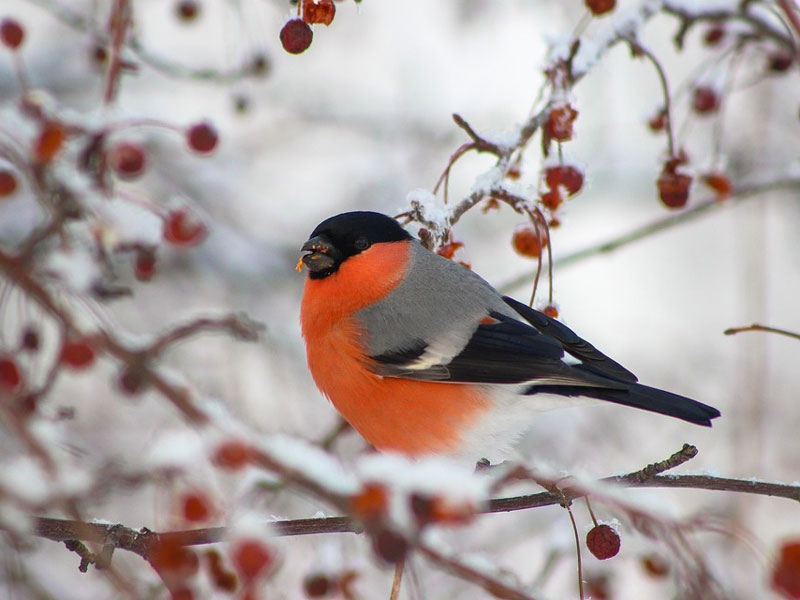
[(779, 61), (603, 541), (786, 572), (318, 585), (714, 35), (566, 176), (145, 266), (559, 123), (10, 376), (195, 507), (718, 182), (551, 310), (232, 455), (187, 10), (49, 142)]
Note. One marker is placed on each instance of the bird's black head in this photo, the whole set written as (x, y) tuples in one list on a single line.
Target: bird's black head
[(338, 238)]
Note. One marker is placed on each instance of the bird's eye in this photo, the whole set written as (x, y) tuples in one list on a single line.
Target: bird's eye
[(361, 243)]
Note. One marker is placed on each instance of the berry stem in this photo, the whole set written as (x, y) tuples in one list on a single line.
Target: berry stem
[(577, 548), (665, 88), (398, 579), (591, 512)]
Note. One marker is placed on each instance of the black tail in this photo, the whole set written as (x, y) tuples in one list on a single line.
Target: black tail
[(639, 396)]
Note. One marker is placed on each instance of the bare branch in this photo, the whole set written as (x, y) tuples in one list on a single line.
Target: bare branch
[(757, 327)]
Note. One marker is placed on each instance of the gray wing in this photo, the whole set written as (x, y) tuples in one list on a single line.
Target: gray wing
[(425, 331)]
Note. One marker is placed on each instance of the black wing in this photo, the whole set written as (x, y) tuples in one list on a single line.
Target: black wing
[(591, 357), (501, 351)]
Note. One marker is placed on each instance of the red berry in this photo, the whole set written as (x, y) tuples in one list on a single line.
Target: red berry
[(552, 199), (49, 142), (10, 377), (169, 556), (183, 229), (195, 507), (390, 545), (714, 35), (559, 123), (77, 354), (318, 11), (232, 455), (8, 183), (564, 175), (658, 122), (187, 10), (718, 182), (127, 160), (600, 7), (551, 310), (317, 586), (251, 557), (99, 55), (202, 137), (705, 100), (529, 240), (11, 33), (786, 572), (779, 61), (296, 36), (448, 250), (603, 541), (371, 502), (673, 188), (145, 267), (132, 380)]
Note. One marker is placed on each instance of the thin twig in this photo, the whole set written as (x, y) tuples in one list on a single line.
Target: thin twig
[(757, 327), (397, 580)]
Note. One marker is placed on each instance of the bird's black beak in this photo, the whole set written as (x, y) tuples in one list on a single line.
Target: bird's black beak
[(322, 254)]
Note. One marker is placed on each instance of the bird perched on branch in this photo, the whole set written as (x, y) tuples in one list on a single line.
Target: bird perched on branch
[(422, 356)]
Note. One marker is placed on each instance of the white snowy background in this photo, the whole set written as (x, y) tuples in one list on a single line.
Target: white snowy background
[(357, 122)]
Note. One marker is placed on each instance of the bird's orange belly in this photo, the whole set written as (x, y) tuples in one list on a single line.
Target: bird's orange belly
[(401, 415)]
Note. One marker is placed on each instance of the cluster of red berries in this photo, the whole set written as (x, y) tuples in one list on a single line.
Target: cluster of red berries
[(296, 35)]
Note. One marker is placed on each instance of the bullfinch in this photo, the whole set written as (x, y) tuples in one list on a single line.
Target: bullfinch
[(423, 356)]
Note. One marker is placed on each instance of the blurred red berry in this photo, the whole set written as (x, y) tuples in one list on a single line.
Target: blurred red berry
[(296, 36), (390, 545), (8, 183), (448, 250), (318, 11), (559, 123), (655, 566), (603, 541), (11, 33), (318, 586), (30, 339), (170, 557), (658, 122), (673, 188), (195, 507), (48, 142), (786, 571), (77, 354), (566, 176), (10, 376), (127, 159), (552, 199), (145, 265), (718, 182), (183, 229), (529, 240), (600, 7), (779, 61), (714, 35), (132, 380), (187, 10), (232, 455), (202, 137), (551, 310), (222, 578), (705, 100), (251, 558), (371, 502)]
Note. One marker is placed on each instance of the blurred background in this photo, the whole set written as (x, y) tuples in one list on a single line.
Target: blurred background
[(358, 121)]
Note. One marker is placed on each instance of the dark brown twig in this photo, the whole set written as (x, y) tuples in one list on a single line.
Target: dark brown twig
[(757, 327)]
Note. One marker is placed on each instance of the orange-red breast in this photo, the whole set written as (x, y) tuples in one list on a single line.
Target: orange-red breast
[(423, 356)]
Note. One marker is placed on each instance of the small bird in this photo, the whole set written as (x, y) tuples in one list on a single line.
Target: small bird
[(422, 356)]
